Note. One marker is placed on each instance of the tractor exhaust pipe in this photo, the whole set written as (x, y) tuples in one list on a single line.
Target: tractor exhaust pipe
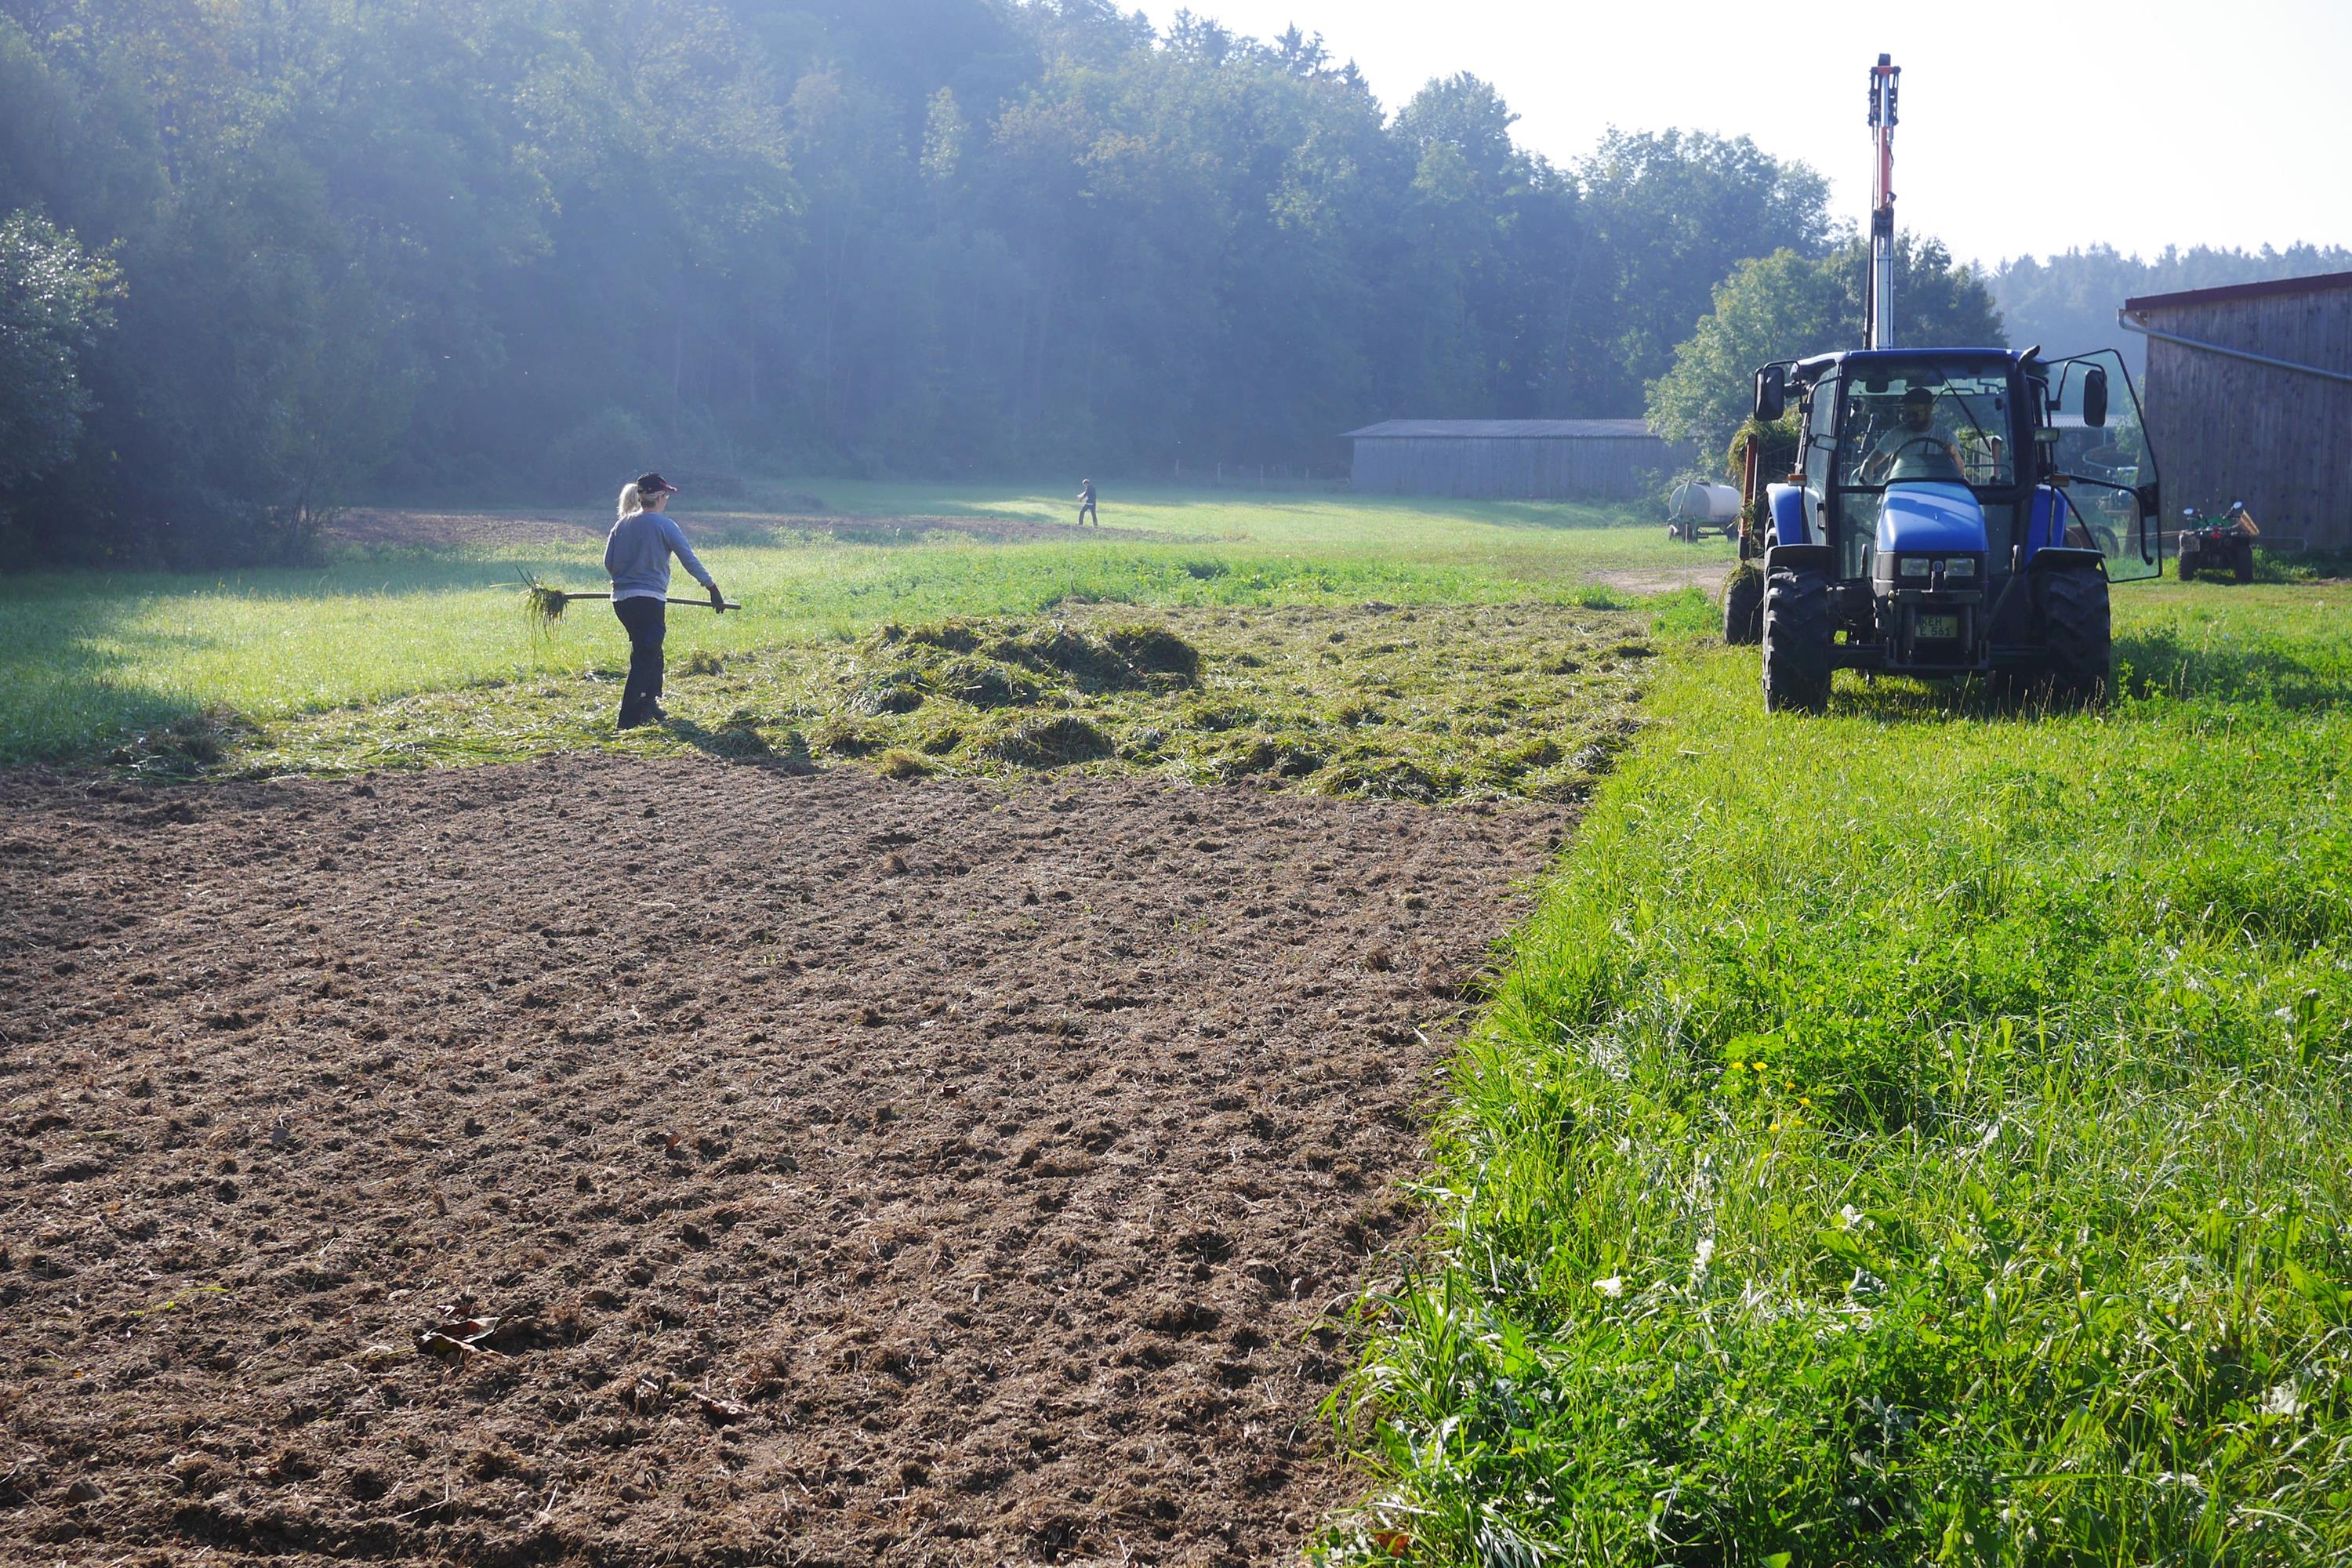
[(1878, 306)]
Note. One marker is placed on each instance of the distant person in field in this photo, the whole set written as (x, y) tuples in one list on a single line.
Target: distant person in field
[(1087, 503), (636, 557)]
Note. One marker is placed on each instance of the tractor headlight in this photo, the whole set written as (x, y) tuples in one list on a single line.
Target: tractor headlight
[(1914, 566), (1960, 566)]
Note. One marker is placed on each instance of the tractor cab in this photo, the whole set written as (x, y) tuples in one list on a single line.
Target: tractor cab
[(1950, 513)]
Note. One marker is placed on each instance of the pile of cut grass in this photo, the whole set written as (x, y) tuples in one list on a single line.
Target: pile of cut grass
[(1918, 1135), (1426, 703)]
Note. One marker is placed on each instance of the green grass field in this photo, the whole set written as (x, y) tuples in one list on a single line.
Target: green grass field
[(93, 661), (1915, 1135)]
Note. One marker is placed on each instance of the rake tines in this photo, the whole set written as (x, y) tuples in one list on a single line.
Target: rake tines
[(544, 604)]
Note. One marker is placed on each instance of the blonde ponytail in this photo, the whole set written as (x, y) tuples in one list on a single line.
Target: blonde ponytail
[(632, 502)]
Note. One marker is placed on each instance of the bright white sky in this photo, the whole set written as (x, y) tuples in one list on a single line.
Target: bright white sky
[(2025, 127)]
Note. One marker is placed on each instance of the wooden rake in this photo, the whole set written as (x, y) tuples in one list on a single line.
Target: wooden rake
[(545, 604)]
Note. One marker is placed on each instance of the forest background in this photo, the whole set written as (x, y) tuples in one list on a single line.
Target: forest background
[(258, 258)]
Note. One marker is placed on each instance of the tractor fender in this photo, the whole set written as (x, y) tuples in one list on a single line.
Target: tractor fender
[(1788, 507), (2066, 558), (1800, 558)]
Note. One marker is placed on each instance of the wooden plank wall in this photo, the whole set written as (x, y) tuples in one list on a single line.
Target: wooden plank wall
[(2225, 429), (1523, 468)]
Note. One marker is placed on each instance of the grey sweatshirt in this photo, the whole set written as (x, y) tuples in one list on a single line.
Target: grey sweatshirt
[(637, 552)]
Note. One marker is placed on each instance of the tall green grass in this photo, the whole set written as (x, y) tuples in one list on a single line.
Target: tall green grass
[(1919, 1135), (90, 660)]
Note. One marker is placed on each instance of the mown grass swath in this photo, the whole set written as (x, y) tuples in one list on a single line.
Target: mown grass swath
[(1916, 1136), (1427, 703), (96, 661)]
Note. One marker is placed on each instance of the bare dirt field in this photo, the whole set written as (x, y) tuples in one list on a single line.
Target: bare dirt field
[(1706, 576), (620, 1162)]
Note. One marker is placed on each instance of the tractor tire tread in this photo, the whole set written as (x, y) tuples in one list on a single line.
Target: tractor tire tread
[(1799, 640), (2076, 621), (1743, 607)]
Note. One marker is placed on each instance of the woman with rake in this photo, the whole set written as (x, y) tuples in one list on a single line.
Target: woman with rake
[(636, 557)]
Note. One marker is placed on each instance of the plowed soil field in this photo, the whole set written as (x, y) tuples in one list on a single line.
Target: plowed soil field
[(616, 1162)]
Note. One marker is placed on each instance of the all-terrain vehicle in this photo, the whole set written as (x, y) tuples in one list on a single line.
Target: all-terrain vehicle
[(2212, 545), (1941, 517)]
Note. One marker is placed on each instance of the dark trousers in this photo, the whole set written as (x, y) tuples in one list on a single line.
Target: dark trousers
[(647, 620), (1085, 510)]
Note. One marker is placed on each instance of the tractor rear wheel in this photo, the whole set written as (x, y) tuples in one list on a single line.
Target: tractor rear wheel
[(2079, 666), (2242, 559), (1797, 640), (1743, 607)]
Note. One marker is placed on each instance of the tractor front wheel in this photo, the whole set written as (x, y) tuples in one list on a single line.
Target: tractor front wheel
[(1743, 607), (2188, 561), (2242, 559), (2079, 666), (1797, 640)]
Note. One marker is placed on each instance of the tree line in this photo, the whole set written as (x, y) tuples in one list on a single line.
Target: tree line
[(2067, 303), (258, 257), (265, 253)]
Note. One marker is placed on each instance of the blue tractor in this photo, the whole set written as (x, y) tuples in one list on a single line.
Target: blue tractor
[(1943, 517)]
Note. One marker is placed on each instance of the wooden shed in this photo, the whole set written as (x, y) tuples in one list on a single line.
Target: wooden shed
[(1518, 459), (2248, 398)]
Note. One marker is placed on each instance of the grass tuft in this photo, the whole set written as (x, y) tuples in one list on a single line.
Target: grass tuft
[(897, 763), (1051, 743)]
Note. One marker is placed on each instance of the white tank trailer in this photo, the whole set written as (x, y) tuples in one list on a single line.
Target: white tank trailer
[(1697, 509)]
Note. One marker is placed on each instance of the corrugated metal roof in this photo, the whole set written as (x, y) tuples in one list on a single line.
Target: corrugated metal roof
[(1503, 430), (2319, 283)]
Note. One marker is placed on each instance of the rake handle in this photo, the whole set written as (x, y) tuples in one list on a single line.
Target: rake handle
[(705, 604)]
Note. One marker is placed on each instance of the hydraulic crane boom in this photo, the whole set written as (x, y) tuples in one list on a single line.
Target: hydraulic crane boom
[(1878, 308)]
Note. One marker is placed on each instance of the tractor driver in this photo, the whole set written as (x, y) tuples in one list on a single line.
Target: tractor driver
[(1914, 444)]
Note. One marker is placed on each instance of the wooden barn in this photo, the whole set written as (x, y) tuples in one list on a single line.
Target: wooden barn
[(2250, 398), (1514, 459)]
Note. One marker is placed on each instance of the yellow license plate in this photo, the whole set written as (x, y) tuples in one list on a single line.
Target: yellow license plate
[(1943, 627)]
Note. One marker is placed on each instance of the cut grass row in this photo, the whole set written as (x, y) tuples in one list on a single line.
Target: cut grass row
[(1433, 702), (1917, 1135), (92, 660)]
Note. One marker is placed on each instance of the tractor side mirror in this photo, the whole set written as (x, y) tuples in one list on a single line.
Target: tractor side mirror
[(1771, 393), (2095, 397)]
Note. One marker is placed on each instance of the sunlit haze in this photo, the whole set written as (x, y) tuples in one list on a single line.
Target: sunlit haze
[(2025, 128)]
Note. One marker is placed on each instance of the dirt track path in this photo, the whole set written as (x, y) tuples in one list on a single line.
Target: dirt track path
[(857, 1172)]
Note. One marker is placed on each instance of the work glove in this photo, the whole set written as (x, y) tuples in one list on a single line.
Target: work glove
[(717, 599)]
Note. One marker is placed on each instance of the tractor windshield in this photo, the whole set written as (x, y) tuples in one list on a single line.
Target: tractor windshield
[(1925, 422)]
